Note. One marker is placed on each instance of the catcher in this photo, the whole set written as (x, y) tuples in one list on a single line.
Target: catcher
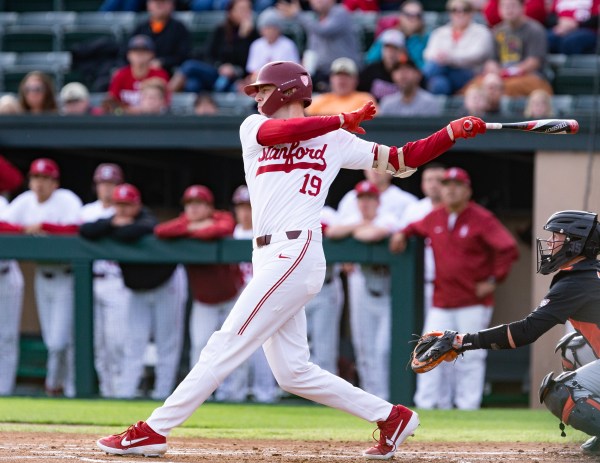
[(574, 295)]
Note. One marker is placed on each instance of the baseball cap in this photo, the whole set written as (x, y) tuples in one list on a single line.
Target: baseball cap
[(456, 174), (270, 18), (74, 91), (198, 193), (107, 172), (44, 167), (365, 187), (126, 193), (344, 66), (406, 63), (392, 37), (241, 195), (140, 42)]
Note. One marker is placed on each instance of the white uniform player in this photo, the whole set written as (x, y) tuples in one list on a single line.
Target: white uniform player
[(11, 294), (46, 208), (290, 162), (370, 300), (261, 382), (110, 296)]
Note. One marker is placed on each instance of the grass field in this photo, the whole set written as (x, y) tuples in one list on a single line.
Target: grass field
[(297, 422)]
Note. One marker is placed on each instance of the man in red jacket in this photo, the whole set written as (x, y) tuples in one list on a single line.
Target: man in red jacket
[(214, 288), (473, 251)]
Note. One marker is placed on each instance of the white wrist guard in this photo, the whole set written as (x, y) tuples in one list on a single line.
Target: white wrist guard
[(382, 162)]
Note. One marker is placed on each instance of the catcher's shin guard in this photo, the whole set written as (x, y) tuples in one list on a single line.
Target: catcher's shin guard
[(571, 403)]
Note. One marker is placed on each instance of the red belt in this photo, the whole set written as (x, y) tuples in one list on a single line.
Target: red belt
[(266, 239)]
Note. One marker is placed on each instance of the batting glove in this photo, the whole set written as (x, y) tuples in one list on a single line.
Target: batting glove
[(466, 127), (351, 121)]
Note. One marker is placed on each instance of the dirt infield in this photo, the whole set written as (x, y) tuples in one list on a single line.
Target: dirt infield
[(49, 448)]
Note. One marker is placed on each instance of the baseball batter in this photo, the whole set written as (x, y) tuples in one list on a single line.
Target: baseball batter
[(290, 159), (47, 209)]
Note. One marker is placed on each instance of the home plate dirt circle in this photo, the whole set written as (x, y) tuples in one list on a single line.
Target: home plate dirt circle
[(49, 448)]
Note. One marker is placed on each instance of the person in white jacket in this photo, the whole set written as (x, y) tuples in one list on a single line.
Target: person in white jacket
[(456, 51)]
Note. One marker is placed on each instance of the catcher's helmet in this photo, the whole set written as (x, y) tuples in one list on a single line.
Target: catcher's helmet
[(582, 239), (293, 83)]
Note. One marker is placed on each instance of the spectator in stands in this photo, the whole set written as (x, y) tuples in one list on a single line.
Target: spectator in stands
[(215, 288), (539, 105), (75, 100), (475, 102), (226, 56), (124, 90), (534, 9), (36, 93), (205, 105), (376, 78), (519, 66), (154, 97), (410, 99), (410, 22), (172, 40), (9, 104), (48, 209), (343, 80), (330, 34), (574, 27), (272, 44), (493, 87), (156, 296), (455, 52)]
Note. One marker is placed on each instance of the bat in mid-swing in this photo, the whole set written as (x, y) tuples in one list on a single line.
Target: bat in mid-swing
[(549, 126)]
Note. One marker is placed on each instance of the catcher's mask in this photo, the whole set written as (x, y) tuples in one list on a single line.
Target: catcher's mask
[(292, 82), (582, 238)]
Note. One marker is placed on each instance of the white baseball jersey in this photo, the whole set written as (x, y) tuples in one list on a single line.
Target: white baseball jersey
[(288, 183), (61, 208)]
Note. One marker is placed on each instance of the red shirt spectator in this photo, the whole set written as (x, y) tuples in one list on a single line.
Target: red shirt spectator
[(534, 9), (10, 177)]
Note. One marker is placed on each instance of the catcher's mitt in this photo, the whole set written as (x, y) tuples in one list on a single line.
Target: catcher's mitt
[(432, 348)]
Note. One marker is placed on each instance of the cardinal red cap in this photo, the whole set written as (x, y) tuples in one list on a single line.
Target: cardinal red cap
[(241, 195), (366, 188), (198, 193), (108, 172), (126, 193), (45, 167), (457, 174)]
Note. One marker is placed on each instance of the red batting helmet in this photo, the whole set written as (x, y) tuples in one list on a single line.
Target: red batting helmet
[(108, 172), (293, 83), (198, 193), (126, 193), (44, 167)]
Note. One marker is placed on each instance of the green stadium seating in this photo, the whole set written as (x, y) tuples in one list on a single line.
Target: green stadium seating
[(7, 19), (585, 105), (182, 103), (74, 35), (81, 5), (31, 5), (29, 39), (54, 64), (576, 76), (122, 22)]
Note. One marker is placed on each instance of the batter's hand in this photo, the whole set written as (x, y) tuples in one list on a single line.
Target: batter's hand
[(351, 121), (466, 127)]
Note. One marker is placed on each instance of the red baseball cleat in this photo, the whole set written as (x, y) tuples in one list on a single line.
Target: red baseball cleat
[(401, 423), (137, 439)]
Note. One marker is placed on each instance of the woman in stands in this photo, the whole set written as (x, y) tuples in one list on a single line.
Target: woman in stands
[(36, 93)]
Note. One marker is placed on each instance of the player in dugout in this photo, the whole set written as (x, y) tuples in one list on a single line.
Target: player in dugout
[(290, 162)]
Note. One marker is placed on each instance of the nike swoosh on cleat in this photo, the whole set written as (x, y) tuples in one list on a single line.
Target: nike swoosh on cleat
[(128, 443), (395, 435), (281, 256)]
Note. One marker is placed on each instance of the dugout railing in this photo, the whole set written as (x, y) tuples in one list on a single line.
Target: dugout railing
[(405, 269)]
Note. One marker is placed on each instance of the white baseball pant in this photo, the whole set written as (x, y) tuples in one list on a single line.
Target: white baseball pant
[(54, 296), (269, 312), (158, 314), (11, 295), (323, 315), (371, 324), (465, 377), (110, 331)]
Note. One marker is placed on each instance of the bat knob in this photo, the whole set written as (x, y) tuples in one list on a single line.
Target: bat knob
[(468, 125), (574, 126)]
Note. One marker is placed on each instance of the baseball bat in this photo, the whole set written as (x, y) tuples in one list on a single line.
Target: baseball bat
[(549, 126)]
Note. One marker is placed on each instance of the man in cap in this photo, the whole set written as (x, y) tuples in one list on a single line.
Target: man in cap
[(48, 209), (155, 300), (473, 252), (343, 80), (376, 78), (215, 288), (124, 89), (110, 302), (74, 100)]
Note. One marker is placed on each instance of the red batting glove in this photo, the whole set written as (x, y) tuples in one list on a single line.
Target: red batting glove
[(467, 127), (351, 121)]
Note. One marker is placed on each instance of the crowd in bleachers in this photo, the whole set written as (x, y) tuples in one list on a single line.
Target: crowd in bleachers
[(429, 58)]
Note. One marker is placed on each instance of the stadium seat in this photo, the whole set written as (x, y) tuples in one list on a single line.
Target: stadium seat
[(81, 5), (54, 64), (576, 76), (7, 19), (186, 17), (7, 59), (122, 22), (73, 35), (202, 27), (453, 105), (29, 39), (294, 31), (235, 104), (585, 105), (563, 105), (31, 5), (365, 24), (47, 18), (182, 103)]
